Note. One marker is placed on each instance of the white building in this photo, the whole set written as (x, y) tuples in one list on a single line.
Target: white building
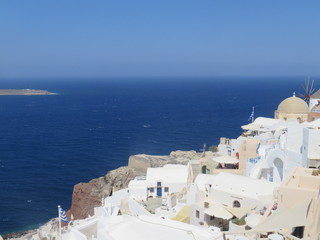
[(311, 144), (219, 194), (282, 145), (314, 100), (161, 182), (124, 227)]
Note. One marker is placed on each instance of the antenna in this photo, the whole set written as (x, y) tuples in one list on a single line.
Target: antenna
[(203, 150)]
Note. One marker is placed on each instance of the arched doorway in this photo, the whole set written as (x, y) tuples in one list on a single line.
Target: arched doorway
[(277, 170)]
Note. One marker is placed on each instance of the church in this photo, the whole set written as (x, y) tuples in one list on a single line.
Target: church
[(294, 108)]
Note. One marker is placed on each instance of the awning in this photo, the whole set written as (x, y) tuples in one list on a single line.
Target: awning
[(285, 217), (217, 210), (275, 236), (226, 159), (254, 127), (250, 127), (239, 212), (183, 215), (253, 220), (281, 128)]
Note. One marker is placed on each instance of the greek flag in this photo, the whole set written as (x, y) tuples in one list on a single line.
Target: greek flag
[(252, 115), (63, 215)]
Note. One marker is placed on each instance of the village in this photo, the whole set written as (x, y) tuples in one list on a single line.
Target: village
[(263, 185)]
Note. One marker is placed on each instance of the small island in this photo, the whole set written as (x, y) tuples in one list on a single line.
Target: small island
[(24, 92)]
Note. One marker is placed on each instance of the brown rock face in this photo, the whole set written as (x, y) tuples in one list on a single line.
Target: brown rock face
[(86, 196)]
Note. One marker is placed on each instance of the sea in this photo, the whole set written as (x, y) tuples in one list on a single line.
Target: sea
[(91, 126)]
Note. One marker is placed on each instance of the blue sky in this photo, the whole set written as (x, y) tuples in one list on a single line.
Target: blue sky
[(66, 38)]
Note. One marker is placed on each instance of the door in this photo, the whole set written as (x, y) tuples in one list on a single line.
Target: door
[(159, 189)]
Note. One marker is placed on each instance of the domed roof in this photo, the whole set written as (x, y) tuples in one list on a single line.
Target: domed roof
[(293, 105)]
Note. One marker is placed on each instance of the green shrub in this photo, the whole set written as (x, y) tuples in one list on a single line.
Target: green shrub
[(239, 222), (315, 172), (213, 148)]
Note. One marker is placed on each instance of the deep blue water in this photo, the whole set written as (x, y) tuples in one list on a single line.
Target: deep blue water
[(50, 143)]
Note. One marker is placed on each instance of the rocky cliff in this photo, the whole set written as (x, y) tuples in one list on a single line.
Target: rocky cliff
[(87, 196)]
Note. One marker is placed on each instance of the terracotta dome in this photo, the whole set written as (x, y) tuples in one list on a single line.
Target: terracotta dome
[(293, 105)]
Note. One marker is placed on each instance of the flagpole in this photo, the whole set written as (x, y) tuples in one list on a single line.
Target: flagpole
[(252, 114), (59, 217)]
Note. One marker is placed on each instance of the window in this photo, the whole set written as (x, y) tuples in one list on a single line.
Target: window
[(166, 189), (206, 204), (151, 189), (197, 214), (158, 184), (236, 204)]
